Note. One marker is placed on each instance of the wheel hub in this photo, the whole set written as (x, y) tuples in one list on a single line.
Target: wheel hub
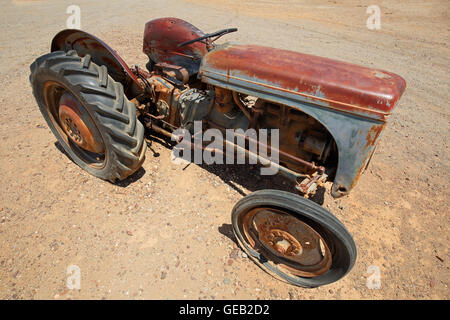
[(71, 128), (282, 242), (287, 241), (78, 125)]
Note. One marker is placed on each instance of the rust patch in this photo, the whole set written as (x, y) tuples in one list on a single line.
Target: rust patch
[(374, 133)]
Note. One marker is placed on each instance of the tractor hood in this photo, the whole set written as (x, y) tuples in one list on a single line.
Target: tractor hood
[(304, 78)]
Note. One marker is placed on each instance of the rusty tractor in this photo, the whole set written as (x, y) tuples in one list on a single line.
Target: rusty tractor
[(330, 116)]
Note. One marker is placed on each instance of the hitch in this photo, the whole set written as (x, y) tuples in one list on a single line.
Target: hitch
[(308, 186)]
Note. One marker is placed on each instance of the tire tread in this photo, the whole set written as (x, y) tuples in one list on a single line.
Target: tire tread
[(105, 98)]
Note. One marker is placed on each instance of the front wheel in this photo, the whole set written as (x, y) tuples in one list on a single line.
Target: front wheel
[(293, 238)]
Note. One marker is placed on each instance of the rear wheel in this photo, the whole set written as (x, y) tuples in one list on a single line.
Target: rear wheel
[(293, 238), (89, 114)]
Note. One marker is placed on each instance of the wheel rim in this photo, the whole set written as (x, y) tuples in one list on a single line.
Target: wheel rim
[(74, 124), (286, 241)]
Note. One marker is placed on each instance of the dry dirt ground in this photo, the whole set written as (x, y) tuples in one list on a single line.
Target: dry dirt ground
[(165, 232)]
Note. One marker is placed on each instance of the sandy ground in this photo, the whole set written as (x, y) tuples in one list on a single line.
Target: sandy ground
[(165, 232)]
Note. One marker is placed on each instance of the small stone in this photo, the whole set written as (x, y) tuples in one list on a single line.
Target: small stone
[(226, 281), (244, 255), (272, 293), (432, 283), (129, 233), (235, 253), (291, 295), (163, 275)]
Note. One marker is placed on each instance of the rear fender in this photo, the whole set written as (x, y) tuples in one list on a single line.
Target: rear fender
[(101, 54)]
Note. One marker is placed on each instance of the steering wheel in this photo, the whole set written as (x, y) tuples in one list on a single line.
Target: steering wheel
[(216, 34)]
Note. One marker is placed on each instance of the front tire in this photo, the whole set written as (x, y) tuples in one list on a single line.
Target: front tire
[(293, 238), (89, 114)]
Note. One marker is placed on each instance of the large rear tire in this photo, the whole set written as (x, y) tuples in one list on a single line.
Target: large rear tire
[(89, 114), (293, 238)]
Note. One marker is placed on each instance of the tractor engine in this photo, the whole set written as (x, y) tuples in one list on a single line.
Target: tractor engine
[(176, 104)]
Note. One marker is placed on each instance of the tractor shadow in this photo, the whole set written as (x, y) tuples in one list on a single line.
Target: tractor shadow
[(239, 177), (123, 184), (243, 178), (131, 179)]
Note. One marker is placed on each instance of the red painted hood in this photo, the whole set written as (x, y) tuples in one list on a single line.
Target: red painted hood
[(338, 84)]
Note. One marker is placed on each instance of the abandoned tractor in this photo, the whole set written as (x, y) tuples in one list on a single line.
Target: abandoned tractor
[(329, 114)]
